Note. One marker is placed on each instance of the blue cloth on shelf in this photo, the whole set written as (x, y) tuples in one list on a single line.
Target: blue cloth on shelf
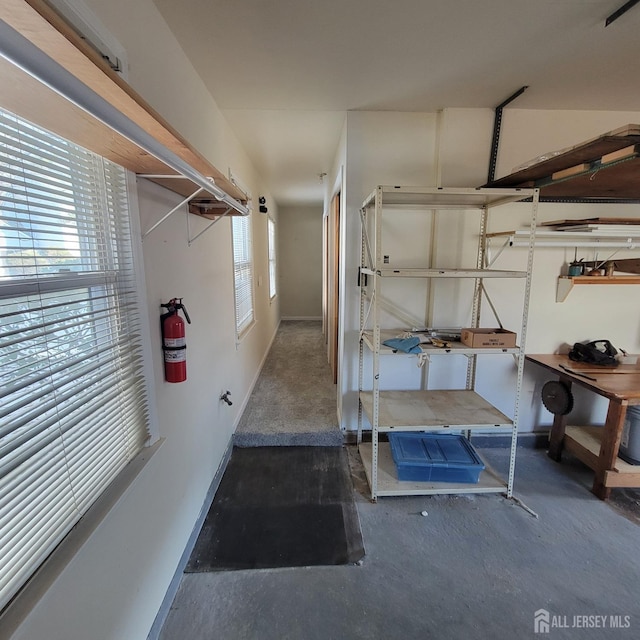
[(406, 345)]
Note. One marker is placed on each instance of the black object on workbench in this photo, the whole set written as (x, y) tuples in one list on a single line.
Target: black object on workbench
[(600, 352)]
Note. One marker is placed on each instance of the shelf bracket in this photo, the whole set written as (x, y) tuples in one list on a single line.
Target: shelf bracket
[(170, 213), (491, 259), (497, 125), (192, 240), (211, 188)]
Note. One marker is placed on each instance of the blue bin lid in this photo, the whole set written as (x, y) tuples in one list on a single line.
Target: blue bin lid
[(450, 451)]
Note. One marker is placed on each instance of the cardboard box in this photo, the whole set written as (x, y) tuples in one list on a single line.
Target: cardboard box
[(495, 338)]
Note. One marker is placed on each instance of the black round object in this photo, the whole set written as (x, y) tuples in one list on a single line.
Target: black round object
[(557, 397)]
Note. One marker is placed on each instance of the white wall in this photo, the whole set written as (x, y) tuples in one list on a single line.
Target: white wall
[(527, 134), (381, 148), (299, 257), (114, 585), (390, 148), (589, 313)]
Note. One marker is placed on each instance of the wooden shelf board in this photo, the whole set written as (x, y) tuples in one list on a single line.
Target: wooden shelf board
[(612, 180), (418, 410), (566, 283), (389, 485), (584, 443), (589, 438), (211, 209), (602, 223), (26, 96), (618, 180), (603, 279)]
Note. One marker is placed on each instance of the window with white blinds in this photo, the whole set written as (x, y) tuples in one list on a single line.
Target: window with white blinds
[(242, 272), (272, 259), (73, 406)]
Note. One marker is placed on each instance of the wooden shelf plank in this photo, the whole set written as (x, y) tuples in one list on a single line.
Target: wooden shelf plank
[(389, 485), (618, 182), (566, 283), (26, 96), (421, 410), (584, 443), (604, 279)]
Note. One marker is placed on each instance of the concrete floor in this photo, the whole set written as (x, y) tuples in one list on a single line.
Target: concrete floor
[(474, 567)]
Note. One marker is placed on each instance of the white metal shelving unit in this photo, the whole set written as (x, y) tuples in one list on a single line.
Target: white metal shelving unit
[(459, 410)]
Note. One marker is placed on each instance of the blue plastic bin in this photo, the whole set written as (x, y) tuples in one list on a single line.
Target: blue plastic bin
[(426, 457)]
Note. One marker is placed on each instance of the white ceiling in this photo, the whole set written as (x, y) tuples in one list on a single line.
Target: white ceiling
[(284, 72)]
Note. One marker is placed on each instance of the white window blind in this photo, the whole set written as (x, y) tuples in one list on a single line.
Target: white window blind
[(272, 259), (73, 407), (243, 272)]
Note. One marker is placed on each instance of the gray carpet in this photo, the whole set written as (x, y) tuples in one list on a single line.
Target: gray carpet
[(294, 400)]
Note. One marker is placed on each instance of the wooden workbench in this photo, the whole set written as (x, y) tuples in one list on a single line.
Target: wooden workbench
[(597, 447)]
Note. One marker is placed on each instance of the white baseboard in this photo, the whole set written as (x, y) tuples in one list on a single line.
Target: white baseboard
[(301, 318)]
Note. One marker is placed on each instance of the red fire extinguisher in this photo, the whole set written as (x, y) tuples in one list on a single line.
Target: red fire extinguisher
[(173, 341)]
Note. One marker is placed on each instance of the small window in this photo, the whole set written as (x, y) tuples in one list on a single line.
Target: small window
[(273, 287), (243, 272)]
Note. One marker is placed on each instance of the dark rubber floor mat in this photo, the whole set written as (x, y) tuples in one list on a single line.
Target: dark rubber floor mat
[(281, 507)]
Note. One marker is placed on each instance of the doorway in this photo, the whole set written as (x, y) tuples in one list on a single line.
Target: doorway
[(331, 282)]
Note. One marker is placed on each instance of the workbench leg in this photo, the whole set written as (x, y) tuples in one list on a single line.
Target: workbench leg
[(557, 430), (612, 432), (556, 437)]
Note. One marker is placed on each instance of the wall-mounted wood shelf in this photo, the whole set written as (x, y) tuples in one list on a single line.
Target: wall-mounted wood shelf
[(606, 167), (33, 100), (566, 283)]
